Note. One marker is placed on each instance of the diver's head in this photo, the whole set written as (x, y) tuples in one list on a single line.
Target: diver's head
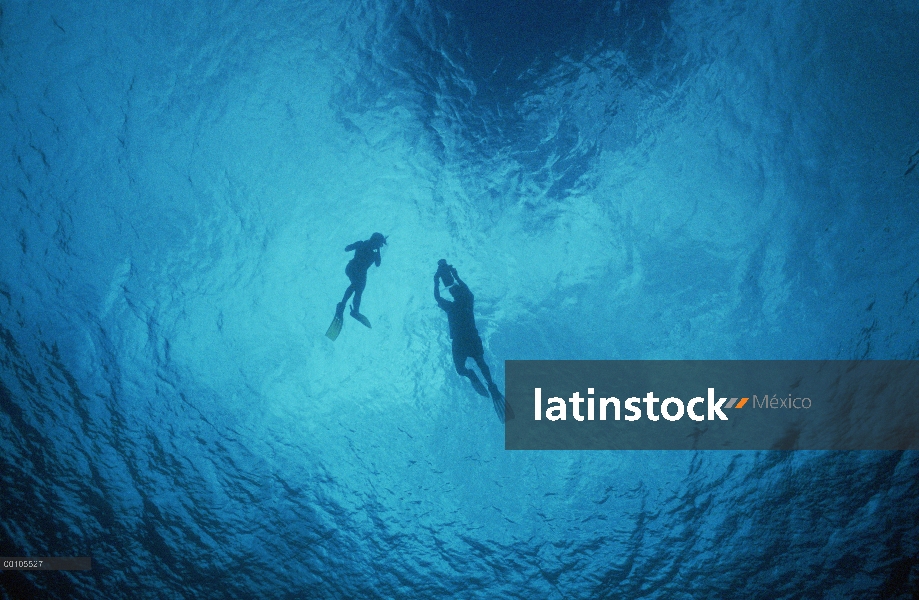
[(378, 240), (458, 291)]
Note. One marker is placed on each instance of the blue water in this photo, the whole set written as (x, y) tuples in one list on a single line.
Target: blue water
[(614, 180)]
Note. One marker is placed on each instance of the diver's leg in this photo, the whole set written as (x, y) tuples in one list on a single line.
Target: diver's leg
[(484, 369), (356, 305), (477, 352), (503, 409), (349, 271), (359, 284), (459, 361), (347, 295), (492, 387)]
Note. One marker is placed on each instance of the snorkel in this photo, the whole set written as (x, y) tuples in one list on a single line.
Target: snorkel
[(378, 240)]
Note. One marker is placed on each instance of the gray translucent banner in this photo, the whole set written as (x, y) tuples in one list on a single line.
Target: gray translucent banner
[(45, 563), (713, 405)]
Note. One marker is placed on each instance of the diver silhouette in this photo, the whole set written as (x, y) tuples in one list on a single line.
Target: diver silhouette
[(366, 253), (465, 336)]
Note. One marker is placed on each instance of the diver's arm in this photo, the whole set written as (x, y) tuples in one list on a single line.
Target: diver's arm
[(444, 304), (376, 256), (461, 282), (351, 247)]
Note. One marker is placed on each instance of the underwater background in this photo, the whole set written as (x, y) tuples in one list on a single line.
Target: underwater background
[(695, 179)]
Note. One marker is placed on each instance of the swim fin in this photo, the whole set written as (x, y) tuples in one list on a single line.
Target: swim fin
[(363, 320), (504, 410), (335, 327)]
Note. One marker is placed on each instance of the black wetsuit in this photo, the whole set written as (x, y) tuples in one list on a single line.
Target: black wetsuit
[(466, 340), (366, 254), (463, 332)]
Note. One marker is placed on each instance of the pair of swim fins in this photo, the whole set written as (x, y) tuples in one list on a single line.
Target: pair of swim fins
[(502, 408), (338, 321)]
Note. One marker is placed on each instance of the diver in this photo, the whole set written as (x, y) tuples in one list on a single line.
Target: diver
[(465, 336), (366, 253)]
